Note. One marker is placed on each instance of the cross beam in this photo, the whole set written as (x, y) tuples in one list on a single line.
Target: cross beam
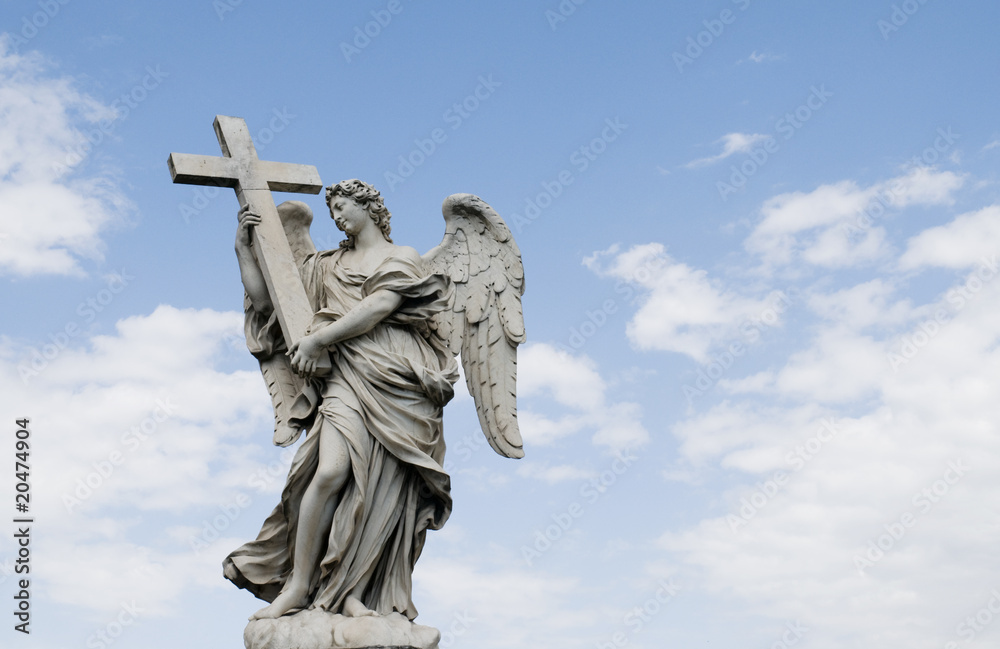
[(254, 180)]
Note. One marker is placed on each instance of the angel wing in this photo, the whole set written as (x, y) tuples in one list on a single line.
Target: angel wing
[(485, 323), (266, 341)]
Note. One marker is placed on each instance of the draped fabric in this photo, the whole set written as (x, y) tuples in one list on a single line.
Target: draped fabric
[(385, 397)]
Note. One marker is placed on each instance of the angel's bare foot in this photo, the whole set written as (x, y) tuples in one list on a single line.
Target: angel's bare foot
[(293, 597), (354, 608)]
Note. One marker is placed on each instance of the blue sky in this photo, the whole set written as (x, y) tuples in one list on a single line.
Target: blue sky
[(759, 242)]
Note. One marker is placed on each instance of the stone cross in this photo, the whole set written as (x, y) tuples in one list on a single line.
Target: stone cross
[(254, 180)]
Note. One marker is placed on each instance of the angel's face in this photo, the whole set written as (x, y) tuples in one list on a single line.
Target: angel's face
[(349, 216)]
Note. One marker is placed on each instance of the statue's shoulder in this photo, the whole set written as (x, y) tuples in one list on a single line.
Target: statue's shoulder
[(406, 253), (326, 255)]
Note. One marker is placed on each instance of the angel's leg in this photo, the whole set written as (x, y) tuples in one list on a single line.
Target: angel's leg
[(315, 517), (353, 606)]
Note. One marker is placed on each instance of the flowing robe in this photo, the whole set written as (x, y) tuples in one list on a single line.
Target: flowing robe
[(385, 397)]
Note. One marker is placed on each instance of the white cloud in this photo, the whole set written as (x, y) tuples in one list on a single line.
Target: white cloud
[(573, 382), (966, 241), (922, 186), (862, 306), (682, 309), (728, 428), (493, 604), (907, 394), (134, 423), (102, 575), (837, 225), (553, 474), (839, 247), (760, 57), (732, 143), (545, 431), (793, 552), (840, 366), (150, 426), (52, 217)]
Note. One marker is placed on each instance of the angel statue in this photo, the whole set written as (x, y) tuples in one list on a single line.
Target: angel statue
[(367, 482)]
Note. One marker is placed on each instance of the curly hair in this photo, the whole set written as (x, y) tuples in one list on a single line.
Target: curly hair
[(368, 198)]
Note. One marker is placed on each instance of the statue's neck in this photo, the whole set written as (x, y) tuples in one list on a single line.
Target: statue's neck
[(368, 238)]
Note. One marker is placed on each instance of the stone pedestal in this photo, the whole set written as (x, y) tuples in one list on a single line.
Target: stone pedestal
[(317, 629)]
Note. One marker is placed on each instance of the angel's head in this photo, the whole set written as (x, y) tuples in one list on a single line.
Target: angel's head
[(367, 198)]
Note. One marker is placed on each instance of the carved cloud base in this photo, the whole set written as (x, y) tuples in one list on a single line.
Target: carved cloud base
[(318, 629)]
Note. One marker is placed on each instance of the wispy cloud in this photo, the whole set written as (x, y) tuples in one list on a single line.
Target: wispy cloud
[(838, 224), (732, 143), (53, 216), (165, 434), (575, 383), (553, 474), (866, 445), (760, 57), (681, 309), (913, 445), (959, 244)]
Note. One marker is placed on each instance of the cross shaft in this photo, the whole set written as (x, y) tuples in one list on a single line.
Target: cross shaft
[(254, 180)]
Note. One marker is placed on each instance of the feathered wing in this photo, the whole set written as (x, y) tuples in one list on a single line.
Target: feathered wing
[(283, 384), (485, 323)]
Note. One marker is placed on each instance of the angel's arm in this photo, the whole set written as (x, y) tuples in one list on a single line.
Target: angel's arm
[(361, 319), (367, 313), (250, 273)]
